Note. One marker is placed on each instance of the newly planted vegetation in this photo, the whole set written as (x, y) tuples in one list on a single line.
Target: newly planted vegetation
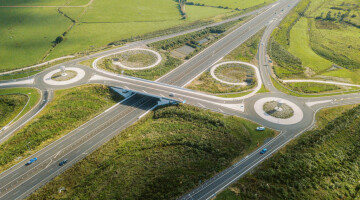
[(146, 161), (321, 164), (69, 109)]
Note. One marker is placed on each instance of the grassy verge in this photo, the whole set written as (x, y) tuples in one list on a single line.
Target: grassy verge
[(263, 89), (321, 164), (10, 106), (326, 115), (31, 93), (69, 109), (247, 51), (162, 156), (234, 95), (289, 91)]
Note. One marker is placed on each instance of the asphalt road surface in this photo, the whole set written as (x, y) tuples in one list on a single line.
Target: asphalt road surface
[(20, 180)]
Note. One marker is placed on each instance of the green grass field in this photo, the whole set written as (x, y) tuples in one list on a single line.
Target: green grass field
[(27, 33), (243, 4), (43, 2), (300, 46), (69, 109), (319, 42), (321, 164), (31, 93), (146, 161)]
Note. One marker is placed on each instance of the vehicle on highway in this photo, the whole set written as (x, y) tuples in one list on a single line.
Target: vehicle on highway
[(260, 128), (171, 94), (263, 151), (31, 161), (63, 162)]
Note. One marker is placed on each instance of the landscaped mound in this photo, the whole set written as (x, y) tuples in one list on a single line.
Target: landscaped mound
[(135, 59), (278, 110), (235, 73), (59, 77)]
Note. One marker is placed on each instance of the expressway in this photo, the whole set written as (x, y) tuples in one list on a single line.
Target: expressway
[(19, 181)]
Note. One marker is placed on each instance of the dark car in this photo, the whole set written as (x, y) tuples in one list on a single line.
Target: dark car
[(31, 161), (63, 162)]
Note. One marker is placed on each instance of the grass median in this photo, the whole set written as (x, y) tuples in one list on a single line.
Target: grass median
[(69, 109), (162, 156)]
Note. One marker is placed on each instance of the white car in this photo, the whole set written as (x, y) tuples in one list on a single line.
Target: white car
[(260, 128)]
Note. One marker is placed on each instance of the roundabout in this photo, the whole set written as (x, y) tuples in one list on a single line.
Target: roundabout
[(55, 77), (126, 59), (234, 82), (284, 113)]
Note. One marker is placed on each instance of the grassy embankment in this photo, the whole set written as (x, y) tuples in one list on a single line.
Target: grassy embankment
[(32, 95), (69, 109), (300, 89), (247, 53), (90, 28), (10, 106), (310, 43), (162, 156), (321, 164)]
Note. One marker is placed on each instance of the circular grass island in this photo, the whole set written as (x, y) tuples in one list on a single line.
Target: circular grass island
[(134, 59), (70, 74), (235, 73), (282, 111)]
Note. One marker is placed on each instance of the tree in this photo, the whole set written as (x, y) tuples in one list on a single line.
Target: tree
[(328, 16)]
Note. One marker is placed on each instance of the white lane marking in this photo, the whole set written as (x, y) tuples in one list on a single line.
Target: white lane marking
[(316, 102), (201, 105)]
